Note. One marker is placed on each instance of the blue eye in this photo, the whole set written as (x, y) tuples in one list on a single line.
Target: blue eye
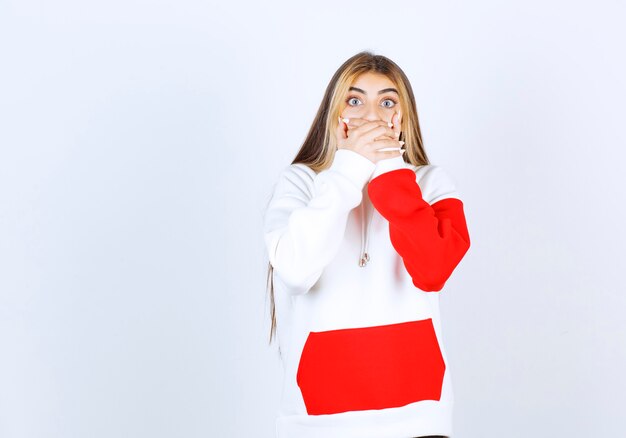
[(351, 98)]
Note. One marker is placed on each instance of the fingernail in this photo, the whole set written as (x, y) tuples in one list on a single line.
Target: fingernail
[(402, 151), (390, 124), (401, 142), (346, 120)]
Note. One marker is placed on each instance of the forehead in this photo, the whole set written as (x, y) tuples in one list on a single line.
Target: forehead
[(372, 81)]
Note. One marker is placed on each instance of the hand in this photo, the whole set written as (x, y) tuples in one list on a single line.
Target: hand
[(367, 137)]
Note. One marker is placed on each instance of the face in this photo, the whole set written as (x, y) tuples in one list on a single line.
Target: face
[(372, 97)]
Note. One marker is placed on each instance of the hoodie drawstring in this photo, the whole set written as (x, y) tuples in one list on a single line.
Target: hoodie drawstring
[(364, 257)]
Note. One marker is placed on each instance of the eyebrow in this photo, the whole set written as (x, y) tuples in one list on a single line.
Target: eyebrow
[(384, 90)]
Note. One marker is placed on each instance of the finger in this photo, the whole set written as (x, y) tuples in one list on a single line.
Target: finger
[(356, 122), (379, 131), (387, 144), (392, 133), (396, 120), (341, 129)]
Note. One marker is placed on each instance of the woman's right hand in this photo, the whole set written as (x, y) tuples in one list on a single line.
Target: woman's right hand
[(365, 137)]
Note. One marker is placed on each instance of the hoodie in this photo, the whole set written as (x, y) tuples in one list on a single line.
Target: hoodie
[(360, 252)]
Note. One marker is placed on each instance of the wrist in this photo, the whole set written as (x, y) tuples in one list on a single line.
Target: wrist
[(388, 165)]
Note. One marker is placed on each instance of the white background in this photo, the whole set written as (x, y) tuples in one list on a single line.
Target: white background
[(139, 142)]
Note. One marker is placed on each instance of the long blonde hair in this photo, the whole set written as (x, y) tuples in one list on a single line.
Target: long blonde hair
[(318, 149)]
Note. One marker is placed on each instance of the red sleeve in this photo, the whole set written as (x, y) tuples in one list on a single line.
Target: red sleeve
[(431, 239)]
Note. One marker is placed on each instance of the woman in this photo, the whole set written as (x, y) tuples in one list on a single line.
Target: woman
[(361, 235)]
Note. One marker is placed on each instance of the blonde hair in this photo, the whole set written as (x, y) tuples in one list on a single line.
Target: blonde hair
[(318, 149)]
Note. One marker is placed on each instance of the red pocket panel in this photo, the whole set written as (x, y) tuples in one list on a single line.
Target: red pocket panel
[(374, 367)]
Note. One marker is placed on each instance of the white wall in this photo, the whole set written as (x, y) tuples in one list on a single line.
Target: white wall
[(139, 143)]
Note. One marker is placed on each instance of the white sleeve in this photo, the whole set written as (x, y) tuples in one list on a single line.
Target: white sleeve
[(306, 218)]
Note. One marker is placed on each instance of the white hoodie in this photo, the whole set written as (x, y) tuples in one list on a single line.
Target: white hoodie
[(357, 267)]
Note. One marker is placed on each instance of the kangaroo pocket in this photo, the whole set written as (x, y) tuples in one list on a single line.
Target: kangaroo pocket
[(375, 367)]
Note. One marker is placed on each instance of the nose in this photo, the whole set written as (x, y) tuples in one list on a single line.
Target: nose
[(372, 113)]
